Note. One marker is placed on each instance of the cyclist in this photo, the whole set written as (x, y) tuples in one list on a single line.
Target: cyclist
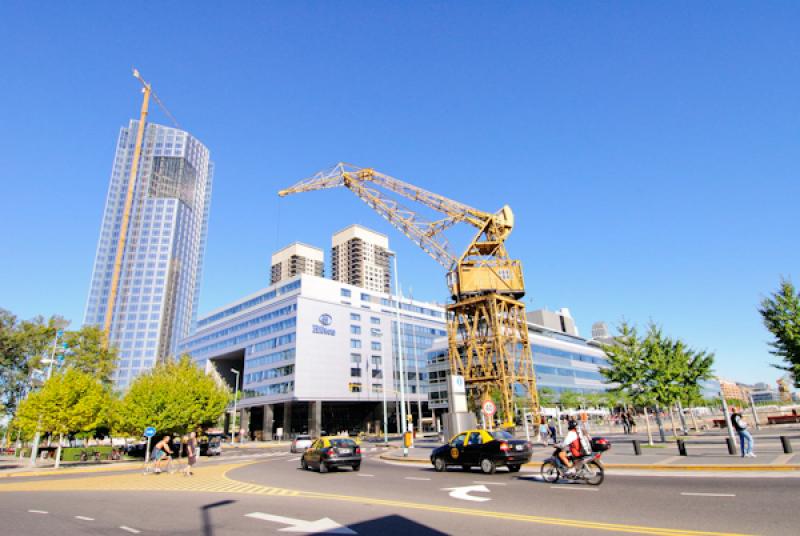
[(161, 452)]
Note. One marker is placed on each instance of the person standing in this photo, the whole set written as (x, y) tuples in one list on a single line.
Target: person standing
[(626, 426), (544, 431), (745, 439), (191, 453), (553, 434)]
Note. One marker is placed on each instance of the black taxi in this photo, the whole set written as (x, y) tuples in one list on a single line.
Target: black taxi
[(484, 449)]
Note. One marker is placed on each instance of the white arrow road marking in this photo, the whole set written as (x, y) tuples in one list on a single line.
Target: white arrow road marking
[(463, 493), (37, 511), (325, 524)]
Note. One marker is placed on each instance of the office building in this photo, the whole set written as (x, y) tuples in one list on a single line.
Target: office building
[(318, 355), (159, 280), (360, 257), (560, 321), (734, 391), (562, 361), (296, 259)]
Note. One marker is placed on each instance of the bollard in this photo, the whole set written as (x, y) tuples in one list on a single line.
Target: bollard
[(731, 446), (786, 444), (682, 447), (637, 447)]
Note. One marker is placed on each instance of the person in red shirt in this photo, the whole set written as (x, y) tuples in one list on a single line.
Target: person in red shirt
[(571, 444)]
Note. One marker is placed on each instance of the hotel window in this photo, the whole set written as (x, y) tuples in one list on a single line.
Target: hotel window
[(366, 297), (355, 330), (355, 372), (355, 387), (346, 293), (355, 316), (355, 343), (377, 387), (375, 320), (376, 346), (355, 358)]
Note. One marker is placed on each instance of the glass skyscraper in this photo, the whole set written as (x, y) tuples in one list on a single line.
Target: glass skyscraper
[(159, 281)]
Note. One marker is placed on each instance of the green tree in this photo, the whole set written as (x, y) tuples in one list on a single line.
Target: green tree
[(781, 315), (23, 346), (71, 401), (546, 396), (86, 352), (571, 399), (175, 397)]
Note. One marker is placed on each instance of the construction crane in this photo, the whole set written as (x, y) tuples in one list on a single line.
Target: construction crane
[(147, 92), (486, 324)]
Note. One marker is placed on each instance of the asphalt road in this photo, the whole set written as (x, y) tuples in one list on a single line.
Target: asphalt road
[(408, 499)]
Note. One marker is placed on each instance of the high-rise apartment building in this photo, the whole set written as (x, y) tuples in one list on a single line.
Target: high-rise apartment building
[(296, 259), (360, 257), (159, 280)]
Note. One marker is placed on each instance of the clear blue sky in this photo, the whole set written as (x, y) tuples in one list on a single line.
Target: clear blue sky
[(650, 152)]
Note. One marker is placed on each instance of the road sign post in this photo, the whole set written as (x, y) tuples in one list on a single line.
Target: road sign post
[(149, 432), (489, 409)]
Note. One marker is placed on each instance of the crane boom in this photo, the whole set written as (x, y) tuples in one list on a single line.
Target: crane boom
[(486, 323)]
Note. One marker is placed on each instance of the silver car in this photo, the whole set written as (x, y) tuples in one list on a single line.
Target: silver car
[(301, 443)]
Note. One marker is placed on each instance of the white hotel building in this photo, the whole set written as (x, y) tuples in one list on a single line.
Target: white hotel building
[(317, 355)]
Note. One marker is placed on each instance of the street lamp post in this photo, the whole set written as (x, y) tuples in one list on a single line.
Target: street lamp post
[(37, 435), (404, 424), (235, 399)]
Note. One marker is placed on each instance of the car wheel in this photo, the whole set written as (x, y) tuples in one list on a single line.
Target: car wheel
[(439, 465), (357, 467), (488, 466), (514, 468), (304, 464), (323, 468)]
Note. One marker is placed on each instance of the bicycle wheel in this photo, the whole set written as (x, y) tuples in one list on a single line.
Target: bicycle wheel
[(172, 467)]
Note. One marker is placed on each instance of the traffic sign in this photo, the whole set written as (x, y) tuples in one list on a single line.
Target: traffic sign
[(150, 431), (489, 408)]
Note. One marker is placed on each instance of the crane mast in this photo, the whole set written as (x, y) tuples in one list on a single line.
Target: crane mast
[(486, 324)]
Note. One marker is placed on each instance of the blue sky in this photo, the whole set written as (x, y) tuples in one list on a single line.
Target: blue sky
[(649, 151)]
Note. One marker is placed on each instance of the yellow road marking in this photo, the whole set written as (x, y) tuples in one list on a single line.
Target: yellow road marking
[(214, 479)]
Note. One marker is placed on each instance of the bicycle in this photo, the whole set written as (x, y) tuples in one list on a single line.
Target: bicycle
[(149, 467)]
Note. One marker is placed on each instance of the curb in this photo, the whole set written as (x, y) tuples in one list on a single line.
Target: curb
[(640, 466)]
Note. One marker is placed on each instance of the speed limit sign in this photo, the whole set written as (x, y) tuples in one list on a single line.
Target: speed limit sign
[(489, 408)]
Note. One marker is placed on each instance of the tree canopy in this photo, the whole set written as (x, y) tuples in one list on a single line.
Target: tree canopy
[(174, 397), (655, 368), (781, 315)]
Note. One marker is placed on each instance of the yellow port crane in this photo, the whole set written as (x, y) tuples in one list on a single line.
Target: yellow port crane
[(486, 324)]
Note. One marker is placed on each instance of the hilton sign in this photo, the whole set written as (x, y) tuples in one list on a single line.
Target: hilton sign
[(326, 320)]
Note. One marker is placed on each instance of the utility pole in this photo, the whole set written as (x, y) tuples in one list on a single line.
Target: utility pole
[(727, 416), (235, 400), (37, 435), (404, 425)]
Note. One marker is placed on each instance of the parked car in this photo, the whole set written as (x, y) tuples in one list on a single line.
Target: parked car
[(210, 445), (487, 450), (300, 443), (332, 452)]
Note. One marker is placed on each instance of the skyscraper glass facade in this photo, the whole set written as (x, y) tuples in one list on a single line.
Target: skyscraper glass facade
[(159, 280)]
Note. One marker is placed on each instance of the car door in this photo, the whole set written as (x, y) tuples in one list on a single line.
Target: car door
[(456, 448), (472, 449), (312, 455)]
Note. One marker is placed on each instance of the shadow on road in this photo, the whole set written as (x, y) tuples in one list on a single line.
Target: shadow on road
[(208, 528), (389, 525)]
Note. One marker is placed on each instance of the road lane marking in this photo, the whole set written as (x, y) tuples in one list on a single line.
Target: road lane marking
[(489, 483), (692, 494), (573, 486), (129, 529), (293, 459), (84, 518), (416, 478), (364, 474), (325, 525), (37, 511)]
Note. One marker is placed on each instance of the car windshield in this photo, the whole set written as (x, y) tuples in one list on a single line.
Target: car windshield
[(346, 443), (303, 438), (502, 435)]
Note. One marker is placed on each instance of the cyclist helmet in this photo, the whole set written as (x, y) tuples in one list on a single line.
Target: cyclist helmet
[(572, 424)]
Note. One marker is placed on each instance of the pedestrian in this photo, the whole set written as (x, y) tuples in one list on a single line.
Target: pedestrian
[(191, 453), (626, 426), (544, 432), (552, 428), (631, 422), (745, 439)]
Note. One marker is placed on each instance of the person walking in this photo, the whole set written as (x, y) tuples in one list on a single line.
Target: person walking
[(553, 434), (544, 432), (745, 438), (191, 453), (626, 425), (631, 422)]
